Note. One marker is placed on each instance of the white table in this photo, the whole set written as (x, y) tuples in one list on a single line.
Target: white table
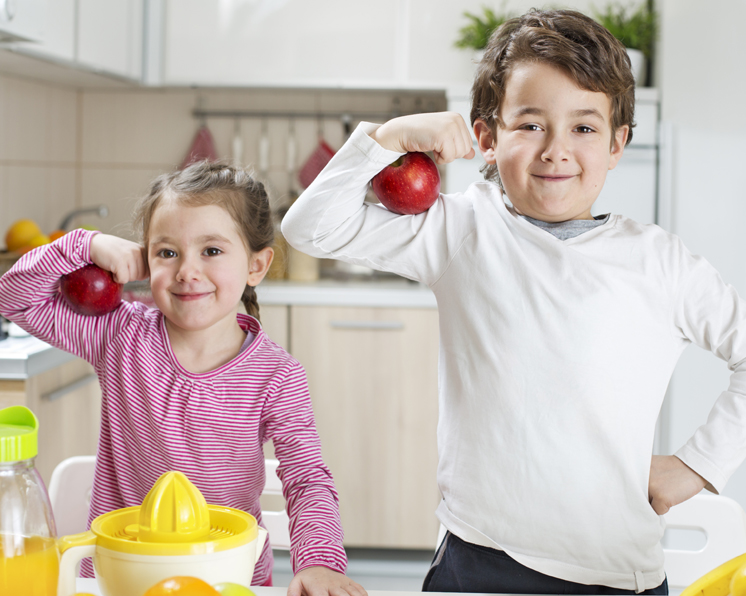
[(90, 585)]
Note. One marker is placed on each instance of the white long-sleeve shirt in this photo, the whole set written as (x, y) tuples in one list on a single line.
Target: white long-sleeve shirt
[(554, 360)]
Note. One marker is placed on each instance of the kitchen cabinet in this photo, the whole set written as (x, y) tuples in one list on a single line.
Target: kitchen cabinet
[(103, 37), (372, 373), (67, 401), (22, 20), (275, 322)]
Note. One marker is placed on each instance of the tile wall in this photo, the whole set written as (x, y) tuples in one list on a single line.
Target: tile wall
[(63, 148)]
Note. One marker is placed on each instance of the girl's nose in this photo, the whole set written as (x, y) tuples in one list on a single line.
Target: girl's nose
[(189, 270), (556, 148)]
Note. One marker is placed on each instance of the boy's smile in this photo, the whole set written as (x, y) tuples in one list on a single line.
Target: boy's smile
[(553, 147)]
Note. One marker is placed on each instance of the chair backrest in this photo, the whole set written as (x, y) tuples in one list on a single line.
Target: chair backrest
[(70, 493), (722, 520), (277, 523)]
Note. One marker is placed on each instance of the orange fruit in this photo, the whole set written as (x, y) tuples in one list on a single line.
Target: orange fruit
[(21, 233), (182, 586), (35, 242), (56, 234)]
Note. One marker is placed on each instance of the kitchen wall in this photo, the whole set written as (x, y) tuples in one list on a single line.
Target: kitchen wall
[(129, 137), (38, 149)]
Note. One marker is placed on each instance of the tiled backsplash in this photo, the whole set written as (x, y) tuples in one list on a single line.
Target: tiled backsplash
[(63, 148)]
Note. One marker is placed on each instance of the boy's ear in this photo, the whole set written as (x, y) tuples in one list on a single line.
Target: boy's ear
[(259, 265), (618, 144), (485, 140)]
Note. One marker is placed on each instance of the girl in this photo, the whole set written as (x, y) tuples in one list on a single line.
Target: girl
[(195, 385)]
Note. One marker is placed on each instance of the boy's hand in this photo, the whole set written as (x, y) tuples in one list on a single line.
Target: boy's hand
[(322, 581), (671, 482), (443, 133), (125, 259)]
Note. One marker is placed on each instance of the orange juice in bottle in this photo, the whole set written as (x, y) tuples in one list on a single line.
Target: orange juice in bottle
[(29, 560)]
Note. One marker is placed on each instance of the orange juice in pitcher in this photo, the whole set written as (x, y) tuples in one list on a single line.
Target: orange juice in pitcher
[(33, 570), (29, 559)]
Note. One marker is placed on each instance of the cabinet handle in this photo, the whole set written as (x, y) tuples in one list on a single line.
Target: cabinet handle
[(375, 325), (63, 391)]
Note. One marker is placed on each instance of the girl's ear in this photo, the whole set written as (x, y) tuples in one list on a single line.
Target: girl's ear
[(259, 265), (486, 140)]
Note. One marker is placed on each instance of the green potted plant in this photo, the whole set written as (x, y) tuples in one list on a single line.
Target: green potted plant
[(476, 33), (636, 28)]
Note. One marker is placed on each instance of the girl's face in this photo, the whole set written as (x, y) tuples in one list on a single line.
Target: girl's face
[(199, 266)]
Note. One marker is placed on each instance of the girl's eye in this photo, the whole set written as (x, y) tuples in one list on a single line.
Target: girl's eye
[(212, 251), (166, 253)]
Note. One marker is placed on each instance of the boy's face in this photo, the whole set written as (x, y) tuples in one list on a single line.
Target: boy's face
[(554, 147)]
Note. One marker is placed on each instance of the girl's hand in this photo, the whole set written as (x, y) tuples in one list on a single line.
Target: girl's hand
[(322, 581), (443, 133), (671, 482), (125, 259)]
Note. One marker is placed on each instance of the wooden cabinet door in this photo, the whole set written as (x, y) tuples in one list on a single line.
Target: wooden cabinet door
[(274, 320), (67, 402), (373, 378)]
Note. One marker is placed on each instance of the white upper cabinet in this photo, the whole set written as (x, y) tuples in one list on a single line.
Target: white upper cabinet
[(329, 43), (110, 36), (23, 20)]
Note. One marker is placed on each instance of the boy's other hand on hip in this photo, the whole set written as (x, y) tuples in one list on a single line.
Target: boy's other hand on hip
[(443, 133), (671, 482), (125, 259)]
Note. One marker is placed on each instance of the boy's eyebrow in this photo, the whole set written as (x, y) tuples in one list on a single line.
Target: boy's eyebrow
[(530, 111)]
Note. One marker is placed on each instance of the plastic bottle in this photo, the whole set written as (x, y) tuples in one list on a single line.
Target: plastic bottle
[(29, 559)]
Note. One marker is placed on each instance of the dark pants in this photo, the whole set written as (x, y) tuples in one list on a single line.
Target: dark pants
[(459, 566)]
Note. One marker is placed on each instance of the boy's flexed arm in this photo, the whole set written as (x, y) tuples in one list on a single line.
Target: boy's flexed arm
[(332, 220)]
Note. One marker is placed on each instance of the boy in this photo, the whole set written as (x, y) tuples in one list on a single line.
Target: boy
[(559, 330)]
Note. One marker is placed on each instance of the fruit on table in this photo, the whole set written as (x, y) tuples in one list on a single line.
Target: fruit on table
[(182, 586), (35, 242), (231, 589), (91, 291), (408, 186), (21, 233), (56, 235), (718, 581)]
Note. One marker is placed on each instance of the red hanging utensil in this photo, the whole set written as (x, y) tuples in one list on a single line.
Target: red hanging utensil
[(203, 148), (315, 163)]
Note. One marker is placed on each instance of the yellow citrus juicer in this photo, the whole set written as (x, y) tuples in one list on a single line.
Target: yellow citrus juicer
[(174, 532)]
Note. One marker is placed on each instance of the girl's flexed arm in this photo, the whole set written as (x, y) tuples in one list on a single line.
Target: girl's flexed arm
[(29, 292)]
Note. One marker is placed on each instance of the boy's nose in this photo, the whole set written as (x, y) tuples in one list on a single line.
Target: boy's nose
[(556, 149)]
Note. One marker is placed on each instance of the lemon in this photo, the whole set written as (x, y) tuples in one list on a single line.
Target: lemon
[(738, 582), (36, 241), (21, 233)]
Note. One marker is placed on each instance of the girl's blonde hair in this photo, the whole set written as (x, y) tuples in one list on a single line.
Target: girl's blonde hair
[(215, 183)]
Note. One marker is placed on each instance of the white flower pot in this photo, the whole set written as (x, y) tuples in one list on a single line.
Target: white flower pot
[(637, 58)]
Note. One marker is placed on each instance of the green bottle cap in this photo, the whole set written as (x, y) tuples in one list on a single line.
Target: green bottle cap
[(19, 430)]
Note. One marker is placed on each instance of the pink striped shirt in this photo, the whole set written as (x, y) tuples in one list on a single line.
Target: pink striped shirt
[(156, 416)]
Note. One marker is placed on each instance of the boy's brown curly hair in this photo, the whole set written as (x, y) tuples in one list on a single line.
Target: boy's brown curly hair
[(566, 39)]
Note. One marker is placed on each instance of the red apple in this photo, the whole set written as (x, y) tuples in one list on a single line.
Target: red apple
[(91, 291), (409, 185)]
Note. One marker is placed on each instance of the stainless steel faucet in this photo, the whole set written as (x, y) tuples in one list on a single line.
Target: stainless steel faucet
[(102, 211)]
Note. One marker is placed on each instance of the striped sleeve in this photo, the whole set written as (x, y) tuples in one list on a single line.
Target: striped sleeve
[(307, 484), (29, 296)]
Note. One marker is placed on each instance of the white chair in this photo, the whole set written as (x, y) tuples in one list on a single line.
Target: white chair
[(722, 520), (70, 495)]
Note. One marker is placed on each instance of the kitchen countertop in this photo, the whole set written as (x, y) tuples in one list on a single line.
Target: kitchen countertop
[(24, 357), (90, 585), (399, 293)]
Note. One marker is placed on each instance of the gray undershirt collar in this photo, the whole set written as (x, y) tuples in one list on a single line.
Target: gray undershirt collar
[(564, 230)]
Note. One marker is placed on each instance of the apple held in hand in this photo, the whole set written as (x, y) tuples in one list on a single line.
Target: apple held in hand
[(408, 186), (91, 291)]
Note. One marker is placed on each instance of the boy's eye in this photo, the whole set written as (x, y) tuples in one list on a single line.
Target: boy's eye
[(212, 251), (531, 127), (166, 253), (584, 129)]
